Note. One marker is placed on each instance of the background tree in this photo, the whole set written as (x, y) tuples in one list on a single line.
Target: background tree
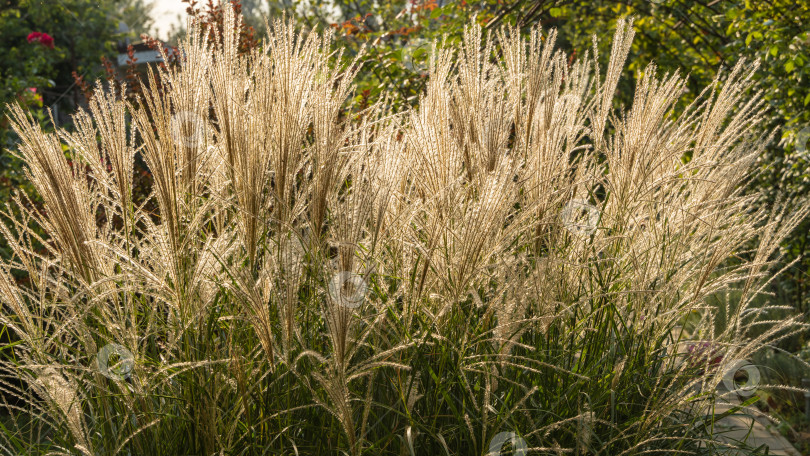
[(138, 15)]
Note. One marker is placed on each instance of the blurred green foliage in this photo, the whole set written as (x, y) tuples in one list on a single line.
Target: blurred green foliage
[(83, 31)]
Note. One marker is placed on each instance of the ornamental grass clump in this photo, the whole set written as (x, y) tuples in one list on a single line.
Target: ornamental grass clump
[(514, 264)]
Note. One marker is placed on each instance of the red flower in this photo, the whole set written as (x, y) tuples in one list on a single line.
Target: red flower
[(41, 38), (29, 96)]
